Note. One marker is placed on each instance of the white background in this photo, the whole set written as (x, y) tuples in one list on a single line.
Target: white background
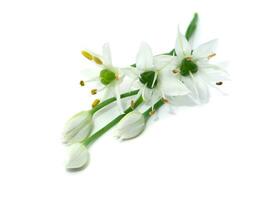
[(215, 151)]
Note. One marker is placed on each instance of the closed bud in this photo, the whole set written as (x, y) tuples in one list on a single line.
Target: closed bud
[(78, 156), (132, 125), (78, 127)]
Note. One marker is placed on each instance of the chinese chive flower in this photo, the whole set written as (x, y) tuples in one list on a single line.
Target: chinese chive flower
[(192, 67), (182, 75), (107, 76), (154, 76)]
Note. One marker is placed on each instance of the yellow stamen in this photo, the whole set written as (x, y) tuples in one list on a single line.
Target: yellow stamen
[(132, 104), (97, 60), (211, 55), (117, 77), (165, 100), (93, 91), (82, 83), (87, 55), (95, 103), (152, 112), (189, 58), (175, 71)]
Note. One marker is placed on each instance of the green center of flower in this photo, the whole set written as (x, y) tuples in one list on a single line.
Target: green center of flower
[(188, 66), (107, 76), (147, 78)]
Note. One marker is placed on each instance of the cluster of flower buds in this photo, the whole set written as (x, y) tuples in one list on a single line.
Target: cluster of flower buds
[(165, 78)]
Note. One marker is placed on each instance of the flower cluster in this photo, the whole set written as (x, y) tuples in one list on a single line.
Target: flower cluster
[(161, 79)]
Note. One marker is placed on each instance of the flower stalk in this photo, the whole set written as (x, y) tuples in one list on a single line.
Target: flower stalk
[(112, 99), (153, 108), (88, 141)]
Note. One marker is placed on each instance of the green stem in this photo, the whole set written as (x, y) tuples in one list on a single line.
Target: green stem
[(89, 140), (110, 100), (155, 107)]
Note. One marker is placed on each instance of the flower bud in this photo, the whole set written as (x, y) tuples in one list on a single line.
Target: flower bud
[(78, 156), (78, 127), (132, 125)]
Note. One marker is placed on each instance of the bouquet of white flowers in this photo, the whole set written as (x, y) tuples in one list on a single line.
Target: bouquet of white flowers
[(160, 79)]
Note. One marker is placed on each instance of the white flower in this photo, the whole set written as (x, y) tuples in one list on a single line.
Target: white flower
[(78, 156), (154, 76), (194, 70), (78, 127), (107, 77), (131, 126)]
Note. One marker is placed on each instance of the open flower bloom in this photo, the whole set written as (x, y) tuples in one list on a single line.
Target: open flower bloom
[(78, 127), (155, 77), (78, 156), (132, 125), (193, 68), (107, 77)]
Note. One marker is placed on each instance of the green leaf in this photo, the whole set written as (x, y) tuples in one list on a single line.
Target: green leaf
[(192, 27)]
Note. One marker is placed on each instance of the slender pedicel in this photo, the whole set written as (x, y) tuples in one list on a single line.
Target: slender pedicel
[(150, 111), (90, 140), (111, 100)]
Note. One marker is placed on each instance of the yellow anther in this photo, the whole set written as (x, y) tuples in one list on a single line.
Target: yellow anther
[(87, 55), (117, 77), (97, 60), (93, 91), (132, 104), (95, 103), (82, 83), (152, 112), (165, 100), (189, 58), (211, 55), (175, 71)]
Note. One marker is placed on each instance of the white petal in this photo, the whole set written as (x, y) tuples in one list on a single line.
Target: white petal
[(170, 85), (131, 125), (131, 118), (76, 121), (161, 61), (202, 93), (147, 94), (81, 134), (144, 59), (192, 87), (107, 55), (182, 46), (118, 97), (131, 72), (206, 49), (156, 96), (91, 74), (107, 92), (214, 74), (132, 133), (78, 156), (185, 100)]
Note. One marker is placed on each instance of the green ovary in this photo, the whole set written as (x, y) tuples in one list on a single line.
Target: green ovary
[(188, 66), (147, 78), (107, 76)]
